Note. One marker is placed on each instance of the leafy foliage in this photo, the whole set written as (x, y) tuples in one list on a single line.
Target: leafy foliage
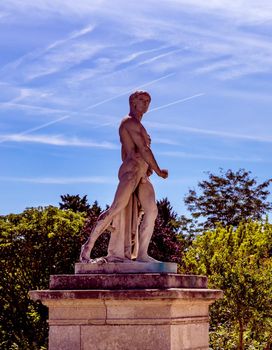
[(74, 203), (229, 198), (34, 245), (167, 241), (238, 261)]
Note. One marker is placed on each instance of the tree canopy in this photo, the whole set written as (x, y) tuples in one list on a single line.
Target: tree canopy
[(238, 261), (229, 198), (33, 245), (74, 203)]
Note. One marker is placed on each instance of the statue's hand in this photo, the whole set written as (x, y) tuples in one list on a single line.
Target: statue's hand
[(163, 173)]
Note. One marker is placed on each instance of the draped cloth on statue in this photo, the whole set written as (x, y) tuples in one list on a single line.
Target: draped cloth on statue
[(124, 241)]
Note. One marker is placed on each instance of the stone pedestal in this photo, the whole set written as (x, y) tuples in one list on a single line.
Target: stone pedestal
[(132, 311)]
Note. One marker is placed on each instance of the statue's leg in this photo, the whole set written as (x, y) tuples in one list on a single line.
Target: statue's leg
[(146, 196), (127, 185)]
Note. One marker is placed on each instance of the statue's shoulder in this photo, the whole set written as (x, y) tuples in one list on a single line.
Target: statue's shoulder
[(129, 122)]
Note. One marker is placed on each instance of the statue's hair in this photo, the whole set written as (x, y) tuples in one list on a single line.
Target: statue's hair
[(136, 94)]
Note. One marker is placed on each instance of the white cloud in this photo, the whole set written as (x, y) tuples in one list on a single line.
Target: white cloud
[(243, 11), (45, 8), (61, 180), (164, 141), (57, 56), (250, 95), (73, 35), (150, 82), (61, 59), (57, 140), (41, 52), (210, 157), (215, 133)]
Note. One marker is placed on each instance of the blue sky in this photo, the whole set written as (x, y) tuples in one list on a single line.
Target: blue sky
[(67, 69)]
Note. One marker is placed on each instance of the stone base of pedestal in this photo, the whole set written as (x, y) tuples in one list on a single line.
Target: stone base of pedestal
[(173, 317), (126, 267)]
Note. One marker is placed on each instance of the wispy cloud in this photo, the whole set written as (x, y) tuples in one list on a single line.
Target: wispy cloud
[(63, 59), (165, 141), (249, 11), (211, 157), (4, 138), (132, 56), (33, 55), (130, 90), (73, 35), (123, 63), (215, 133), (59, 55), (176, 102), (42, 126), (61, 180), (251, 95), (33, 108), (158, 57), (57, 140)]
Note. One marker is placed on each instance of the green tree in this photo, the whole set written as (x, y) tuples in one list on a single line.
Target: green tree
[(238, 261), (74, 203), (229, 198), (33, 245), (167, 241)]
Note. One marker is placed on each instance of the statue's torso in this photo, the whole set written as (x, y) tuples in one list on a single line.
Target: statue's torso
[(131, 155)]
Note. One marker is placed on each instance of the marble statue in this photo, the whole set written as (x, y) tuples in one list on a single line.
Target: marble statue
[(132, 215)]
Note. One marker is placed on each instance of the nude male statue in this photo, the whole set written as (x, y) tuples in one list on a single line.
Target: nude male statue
[(138, 164)]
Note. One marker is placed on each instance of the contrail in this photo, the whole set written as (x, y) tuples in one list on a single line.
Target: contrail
[(73, 35), (55, 44), (176, 102), (169, 104), (28, 131), (128, 91), (149, 60)]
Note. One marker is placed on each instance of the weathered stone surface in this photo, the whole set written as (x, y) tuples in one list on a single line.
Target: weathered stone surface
[(127, 281), (171, 319), (126, 267), (172, 293), (126, 337), (128, 311), (64, 338)]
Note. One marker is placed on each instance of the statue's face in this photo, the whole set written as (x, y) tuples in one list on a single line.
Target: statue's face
[(141, 103)]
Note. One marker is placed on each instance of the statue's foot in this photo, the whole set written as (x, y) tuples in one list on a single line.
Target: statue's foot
[(147, 258), (112, 258), (85, 254)]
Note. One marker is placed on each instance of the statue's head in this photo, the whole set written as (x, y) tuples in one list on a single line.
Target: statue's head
[(133, 98)]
